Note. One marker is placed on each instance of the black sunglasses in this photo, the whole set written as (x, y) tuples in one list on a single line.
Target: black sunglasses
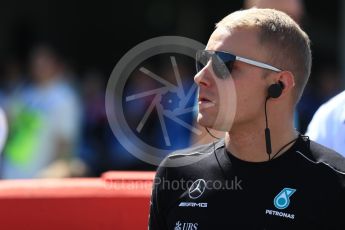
[(223, 62)]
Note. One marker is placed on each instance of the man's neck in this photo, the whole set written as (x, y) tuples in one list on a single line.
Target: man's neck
[(248, 143)]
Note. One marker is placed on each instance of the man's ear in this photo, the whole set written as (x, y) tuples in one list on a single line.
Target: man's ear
[(287, 79)]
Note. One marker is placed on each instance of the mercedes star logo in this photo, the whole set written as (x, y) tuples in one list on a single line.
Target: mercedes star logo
[(197, 188)]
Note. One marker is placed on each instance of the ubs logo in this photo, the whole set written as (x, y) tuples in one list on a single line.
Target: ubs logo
[(197, 188), (185, 226)]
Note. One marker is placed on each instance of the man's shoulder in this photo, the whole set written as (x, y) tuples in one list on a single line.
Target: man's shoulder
[(328, 157), (194, 151), (191, 155)]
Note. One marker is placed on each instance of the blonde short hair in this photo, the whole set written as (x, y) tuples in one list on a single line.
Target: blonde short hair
[(287, 45)]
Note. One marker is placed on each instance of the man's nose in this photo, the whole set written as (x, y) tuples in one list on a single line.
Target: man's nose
[(203, 77)]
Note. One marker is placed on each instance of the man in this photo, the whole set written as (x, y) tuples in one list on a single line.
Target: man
[(293, 8), (263, 175), (328, 124)]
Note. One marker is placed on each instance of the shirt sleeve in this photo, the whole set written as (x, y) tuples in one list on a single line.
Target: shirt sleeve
[(318, 128), (67, 115)]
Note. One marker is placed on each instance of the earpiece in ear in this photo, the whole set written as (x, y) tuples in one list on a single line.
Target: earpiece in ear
[(275, 90)]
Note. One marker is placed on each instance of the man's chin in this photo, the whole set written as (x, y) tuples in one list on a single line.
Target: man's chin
[(223, 127), (204, 121)]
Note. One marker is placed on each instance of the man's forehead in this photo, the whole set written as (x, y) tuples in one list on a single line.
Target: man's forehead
[(239, 41), (218, 38)]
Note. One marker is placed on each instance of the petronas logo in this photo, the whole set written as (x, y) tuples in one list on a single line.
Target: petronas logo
[(282, 200)]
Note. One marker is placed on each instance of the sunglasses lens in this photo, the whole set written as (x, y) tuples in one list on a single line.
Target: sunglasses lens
[(202, 58), (199, 66), (227, 59), (222, 62)]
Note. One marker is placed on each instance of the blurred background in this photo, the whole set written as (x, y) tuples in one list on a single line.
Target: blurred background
[(57, 56)]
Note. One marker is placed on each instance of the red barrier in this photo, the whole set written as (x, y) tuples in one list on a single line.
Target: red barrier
[(117, 200)]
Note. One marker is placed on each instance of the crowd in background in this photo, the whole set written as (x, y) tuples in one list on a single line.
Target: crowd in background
[(57, 122)]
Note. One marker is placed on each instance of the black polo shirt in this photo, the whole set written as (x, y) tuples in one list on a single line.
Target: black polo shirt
[(302, 188)]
